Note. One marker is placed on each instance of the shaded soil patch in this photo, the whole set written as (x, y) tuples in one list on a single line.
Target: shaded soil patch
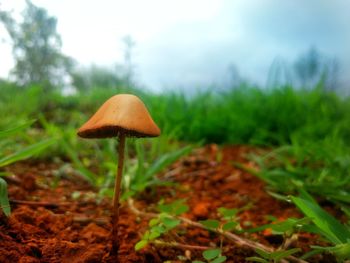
[(64, 220)]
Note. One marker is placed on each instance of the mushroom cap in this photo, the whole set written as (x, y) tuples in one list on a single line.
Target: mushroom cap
[(123, 113)]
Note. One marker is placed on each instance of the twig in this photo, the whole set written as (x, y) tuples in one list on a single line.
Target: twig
[(86, 220), (177, 171), (171, 173), (36, 203), (12, 180), (178, 245), (246, 169), (230, 236), (237, 239)]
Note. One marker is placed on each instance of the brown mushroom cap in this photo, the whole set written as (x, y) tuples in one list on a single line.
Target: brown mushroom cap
[(123, 113)]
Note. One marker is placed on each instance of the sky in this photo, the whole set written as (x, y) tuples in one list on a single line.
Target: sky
[(193, 43)]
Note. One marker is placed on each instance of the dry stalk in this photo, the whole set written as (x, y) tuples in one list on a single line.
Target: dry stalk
[(39, 203), (161, 243)]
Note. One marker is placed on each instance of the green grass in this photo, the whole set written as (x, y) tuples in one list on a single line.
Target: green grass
[(312, 127), (252, 115), (241, 115)]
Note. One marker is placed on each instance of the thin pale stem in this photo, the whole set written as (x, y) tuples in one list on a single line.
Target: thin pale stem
[(37, 203), (118, 179), (179, 245)]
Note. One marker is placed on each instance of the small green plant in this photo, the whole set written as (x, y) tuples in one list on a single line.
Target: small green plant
[(319, 167), (142, 174), (162, 224), (229, 222), (212, 256)]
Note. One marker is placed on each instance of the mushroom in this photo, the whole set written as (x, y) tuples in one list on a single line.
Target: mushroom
[(121, 116)]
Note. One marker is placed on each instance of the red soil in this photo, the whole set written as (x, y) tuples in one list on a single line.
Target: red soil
[(67, 229)]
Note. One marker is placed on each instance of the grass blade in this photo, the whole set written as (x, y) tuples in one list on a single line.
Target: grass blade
[(341, 251), (166, 160), (26, 152), (16, 129), (333, 230), (278, 255), (4, 200), (72, 154)]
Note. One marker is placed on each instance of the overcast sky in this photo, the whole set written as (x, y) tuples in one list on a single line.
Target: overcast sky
[(193, 42)]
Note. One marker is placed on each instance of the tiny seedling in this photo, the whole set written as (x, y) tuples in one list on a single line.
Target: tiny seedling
[(162, 224), (230, 220), (165, 222), (121, 116), (212, 256)]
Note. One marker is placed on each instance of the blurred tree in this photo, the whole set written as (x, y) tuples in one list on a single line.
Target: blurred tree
[(231, 79), (95, 77), (36, 48), (279, 74), (122, 78), (128, 66), (314, 67), (332, 74), (235, 79), (308, 67)]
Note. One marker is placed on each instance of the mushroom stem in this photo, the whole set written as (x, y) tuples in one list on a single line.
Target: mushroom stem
[(118, 179)]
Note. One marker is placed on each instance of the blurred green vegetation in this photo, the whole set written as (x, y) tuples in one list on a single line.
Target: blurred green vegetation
[(311, 127), (244, 115), (314, 120)]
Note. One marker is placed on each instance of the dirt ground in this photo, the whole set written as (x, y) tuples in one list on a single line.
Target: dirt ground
[(64, 221)]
